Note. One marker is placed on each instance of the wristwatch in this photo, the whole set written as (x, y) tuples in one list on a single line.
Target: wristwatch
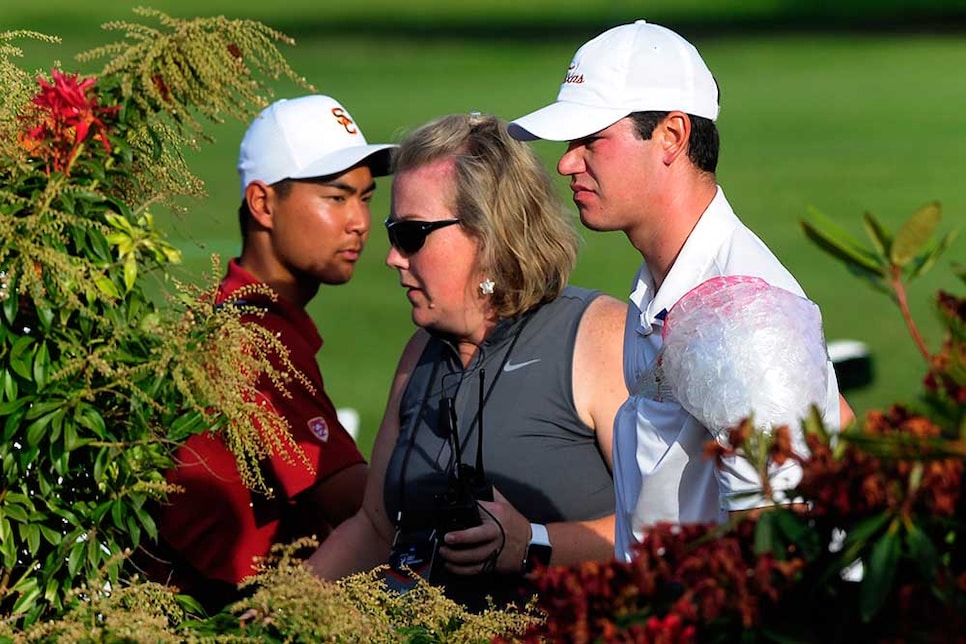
[(538, 550)]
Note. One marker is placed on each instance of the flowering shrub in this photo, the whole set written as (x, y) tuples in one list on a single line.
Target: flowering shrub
[(99, 384), (685, 584), (286, 604), (876, 554)]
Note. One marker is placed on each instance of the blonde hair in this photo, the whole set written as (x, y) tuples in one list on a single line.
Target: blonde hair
[(504, 198)]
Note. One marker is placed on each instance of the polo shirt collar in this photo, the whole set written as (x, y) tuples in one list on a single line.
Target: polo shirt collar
[(689, 269), (297, 317)]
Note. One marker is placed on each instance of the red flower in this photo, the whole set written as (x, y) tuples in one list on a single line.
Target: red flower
[(67, 112)]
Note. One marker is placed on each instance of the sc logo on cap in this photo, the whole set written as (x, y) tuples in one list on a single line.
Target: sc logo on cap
[(344, 120)]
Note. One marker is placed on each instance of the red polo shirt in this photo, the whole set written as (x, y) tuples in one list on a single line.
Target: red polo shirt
[(217, 525)]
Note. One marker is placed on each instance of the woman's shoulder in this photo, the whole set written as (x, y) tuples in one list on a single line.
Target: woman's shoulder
[(580, 293)]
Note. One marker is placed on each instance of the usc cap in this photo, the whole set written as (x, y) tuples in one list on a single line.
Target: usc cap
[(301, 138)]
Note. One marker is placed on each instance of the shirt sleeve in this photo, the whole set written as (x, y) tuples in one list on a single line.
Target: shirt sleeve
[(324, 446)]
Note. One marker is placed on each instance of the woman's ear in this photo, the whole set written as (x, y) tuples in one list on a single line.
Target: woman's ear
[(260, 199)]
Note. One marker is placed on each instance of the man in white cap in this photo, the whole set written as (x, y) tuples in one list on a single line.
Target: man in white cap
[(638, 107), (306, 181)]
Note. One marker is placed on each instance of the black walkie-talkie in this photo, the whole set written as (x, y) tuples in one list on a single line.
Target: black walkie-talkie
[(456, 507)]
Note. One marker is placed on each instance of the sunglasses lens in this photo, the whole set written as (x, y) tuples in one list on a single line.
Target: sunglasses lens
[(407, 236)]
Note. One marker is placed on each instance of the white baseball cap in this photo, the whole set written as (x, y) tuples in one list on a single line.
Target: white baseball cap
[(636, 67), (306, 137)]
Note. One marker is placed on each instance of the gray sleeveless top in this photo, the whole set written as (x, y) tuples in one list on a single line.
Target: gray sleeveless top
[(536, 450)]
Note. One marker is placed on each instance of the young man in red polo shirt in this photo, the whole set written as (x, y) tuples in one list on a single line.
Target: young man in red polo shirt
[(306, 179)]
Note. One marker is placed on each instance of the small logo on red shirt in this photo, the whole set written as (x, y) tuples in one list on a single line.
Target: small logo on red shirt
[(319, 428)]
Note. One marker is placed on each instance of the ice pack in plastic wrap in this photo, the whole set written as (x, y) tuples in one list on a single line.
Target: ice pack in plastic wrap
[(736, 346)]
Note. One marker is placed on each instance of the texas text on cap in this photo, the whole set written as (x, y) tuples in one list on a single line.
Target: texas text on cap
[(637, 67), (302, 138)]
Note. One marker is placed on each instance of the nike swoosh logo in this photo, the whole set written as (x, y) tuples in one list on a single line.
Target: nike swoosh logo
[(509, 366)]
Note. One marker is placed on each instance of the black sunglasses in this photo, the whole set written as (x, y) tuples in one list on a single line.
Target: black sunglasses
[(409, 235)]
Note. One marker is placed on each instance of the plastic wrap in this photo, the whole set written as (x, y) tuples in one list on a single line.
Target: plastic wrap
[(736, 346)]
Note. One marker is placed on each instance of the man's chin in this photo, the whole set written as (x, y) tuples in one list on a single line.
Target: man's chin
[(335, 279)]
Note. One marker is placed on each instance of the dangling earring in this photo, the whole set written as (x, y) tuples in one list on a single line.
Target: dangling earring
[(486, 286)]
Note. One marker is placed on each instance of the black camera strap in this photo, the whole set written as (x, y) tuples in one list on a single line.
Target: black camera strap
[(428, 393)]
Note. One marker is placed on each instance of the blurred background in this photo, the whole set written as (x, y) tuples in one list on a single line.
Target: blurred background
[(848, 107)]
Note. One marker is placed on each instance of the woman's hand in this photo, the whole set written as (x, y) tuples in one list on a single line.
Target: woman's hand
[(501, 540)]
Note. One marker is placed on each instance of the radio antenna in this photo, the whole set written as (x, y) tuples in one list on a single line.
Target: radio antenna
[(448, 412)]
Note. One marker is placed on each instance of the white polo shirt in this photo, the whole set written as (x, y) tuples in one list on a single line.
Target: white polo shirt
[(660, 471)]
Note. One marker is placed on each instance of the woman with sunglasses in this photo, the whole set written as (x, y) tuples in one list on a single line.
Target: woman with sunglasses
[(493, 456)]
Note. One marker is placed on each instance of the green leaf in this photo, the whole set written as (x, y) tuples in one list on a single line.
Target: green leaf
[(53, 587), (32, 536), (796, 530), (45, 316), (19, 497), (52, 536), (171, 254), (133, 530), (106, 286), (123, 242), (39, 409), (57, 425), (865, 529), (101, 510), (29, 594), (10, 306), (60, 460), (879, 571), (147, 522), (10, 389), (20, 360), (9, 406), (915, 233), (16, 512), (75, 557), (71, 442), (880, 237), (765, 539), (118, 509), (36, 429), (100, 464), (922, 551), (130, 271), (827, 236), (41, 367), (8, 546), (119, 223), (90, 417), (926, 261), (187, 424)]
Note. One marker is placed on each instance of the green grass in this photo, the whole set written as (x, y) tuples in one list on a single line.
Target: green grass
[(843, 122)]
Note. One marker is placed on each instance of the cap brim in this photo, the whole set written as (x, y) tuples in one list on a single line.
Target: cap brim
[(377, 157), (563, 121)]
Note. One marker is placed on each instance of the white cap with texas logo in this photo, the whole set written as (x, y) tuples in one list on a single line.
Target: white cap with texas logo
[(637, 67), (306, 137)]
